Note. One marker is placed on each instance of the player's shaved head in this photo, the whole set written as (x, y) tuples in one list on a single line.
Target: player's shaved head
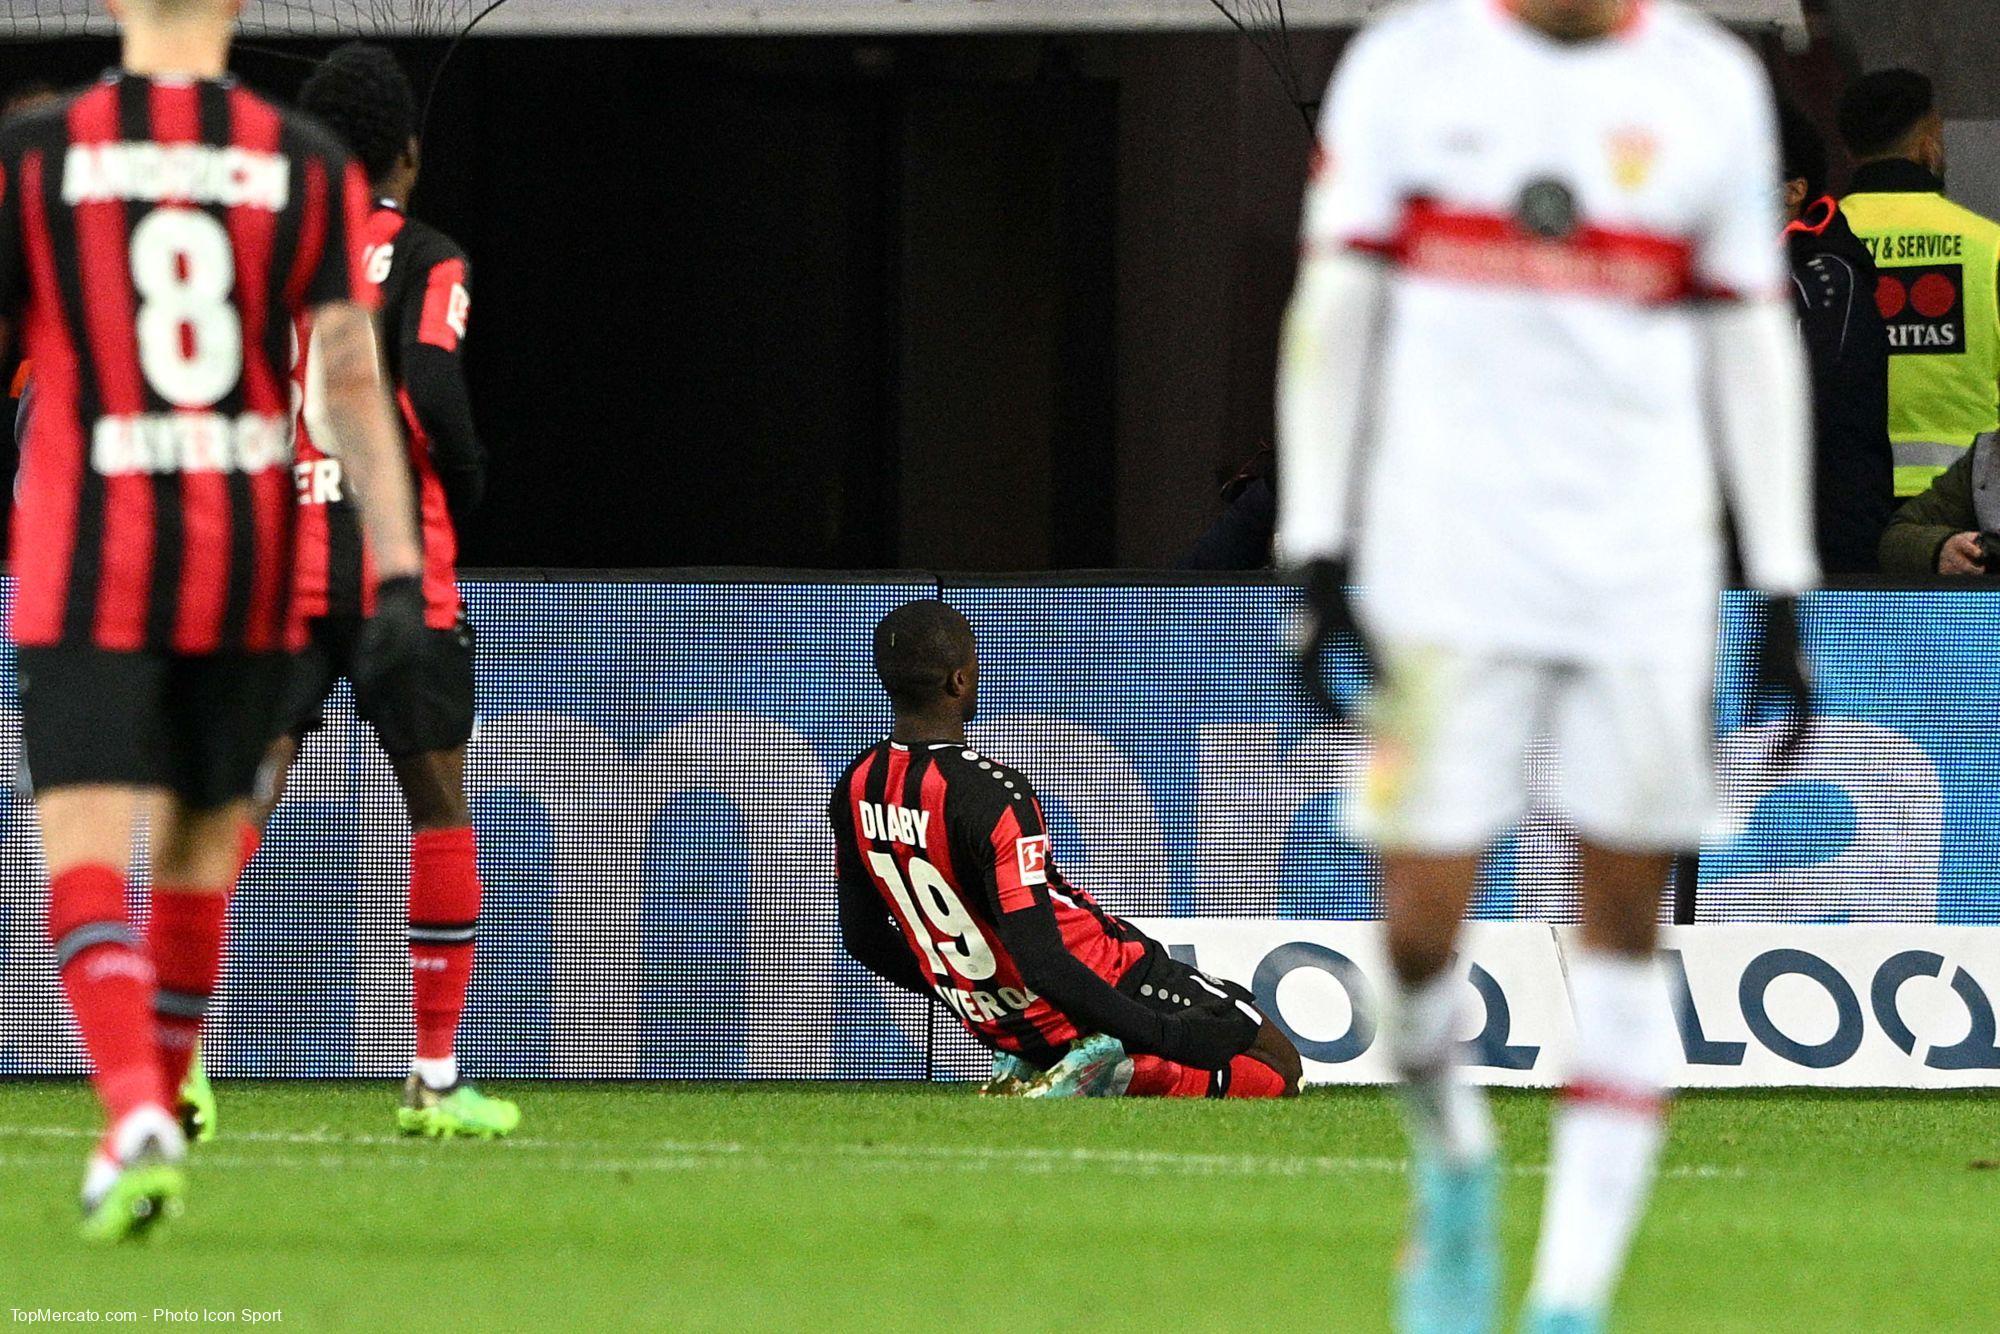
[(919, 647)]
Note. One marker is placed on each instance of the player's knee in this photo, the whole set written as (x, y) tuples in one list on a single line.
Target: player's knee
[(272, 776), (434, 791), (197, 849), (440, 809), (1419, 950)]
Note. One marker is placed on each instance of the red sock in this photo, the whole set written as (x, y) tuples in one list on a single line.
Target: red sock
[(109, 983), (185, 937), (444, 913), (1157, 1077), (1249, 1077)]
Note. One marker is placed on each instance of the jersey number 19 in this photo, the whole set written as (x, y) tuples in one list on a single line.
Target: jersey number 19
[(944, 929)]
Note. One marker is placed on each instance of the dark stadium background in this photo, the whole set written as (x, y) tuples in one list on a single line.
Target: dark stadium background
[(861, 303)]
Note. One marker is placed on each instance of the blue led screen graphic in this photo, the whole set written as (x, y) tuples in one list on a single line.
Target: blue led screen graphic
[(651, 771)]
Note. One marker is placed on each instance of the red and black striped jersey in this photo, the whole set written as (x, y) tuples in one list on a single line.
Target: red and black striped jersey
[(158, 238), (952, 841), (424, 287)]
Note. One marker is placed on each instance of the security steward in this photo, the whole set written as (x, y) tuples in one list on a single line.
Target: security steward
[(1939, 283)]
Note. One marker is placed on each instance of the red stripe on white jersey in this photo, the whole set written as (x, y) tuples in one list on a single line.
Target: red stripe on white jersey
[(1494, 250)]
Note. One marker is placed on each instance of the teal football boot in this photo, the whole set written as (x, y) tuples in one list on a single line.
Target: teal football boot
[(1089, 1070), (1542, 1320), (1449, 1279)]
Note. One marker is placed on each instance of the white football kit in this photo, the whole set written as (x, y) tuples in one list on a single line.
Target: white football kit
[(1527, 430)]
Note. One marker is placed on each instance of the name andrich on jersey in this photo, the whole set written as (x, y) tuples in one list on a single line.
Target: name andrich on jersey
[(194, 173)]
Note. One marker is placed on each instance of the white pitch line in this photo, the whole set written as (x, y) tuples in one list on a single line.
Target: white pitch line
[(676, 1156)]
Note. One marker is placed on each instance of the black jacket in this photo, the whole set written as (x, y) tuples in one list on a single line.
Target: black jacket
[(1833, 290)]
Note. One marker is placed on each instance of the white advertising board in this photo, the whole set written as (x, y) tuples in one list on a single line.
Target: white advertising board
[(1755, 1006), (1322, 982)]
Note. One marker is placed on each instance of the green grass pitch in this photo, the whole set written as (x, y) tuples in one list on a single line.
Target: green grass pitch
[(899, 1207)]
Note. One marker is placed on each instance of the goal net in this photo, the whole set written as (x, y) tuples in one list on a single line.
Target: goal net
[(31, 20)]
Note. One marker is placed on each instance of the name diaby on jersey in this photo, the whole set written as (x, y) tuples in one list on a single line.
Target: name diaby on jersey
[(895, 824)]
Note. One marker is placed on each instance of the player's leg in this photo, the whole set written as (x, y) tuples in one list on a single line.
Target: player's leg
[(1449, 734), (1271, 1068), (274, 777), (308, 679), (223, 711), (1448, 1275), (443, 906), (424, 720), (94, 744), (194, 852), (87, 837), (1636, 780)]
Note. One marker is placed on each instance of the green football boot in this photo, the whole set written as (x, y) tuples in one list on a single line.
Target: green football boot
[(458, 1110), (197, 1103), (134, 1180)]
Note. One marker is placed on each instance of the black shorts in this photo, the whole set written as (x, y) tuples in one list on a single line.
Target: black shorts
[(427, 707), (1161, 982), (197, 726)]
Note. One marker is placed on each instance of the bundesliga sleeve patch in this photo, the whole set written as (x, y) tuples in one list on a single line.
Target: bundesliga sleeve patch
[(1031, 857)]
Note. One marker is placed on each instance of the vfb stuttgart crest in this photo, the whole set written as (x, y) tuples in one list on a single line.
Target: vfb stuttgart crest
[(1633, 153)]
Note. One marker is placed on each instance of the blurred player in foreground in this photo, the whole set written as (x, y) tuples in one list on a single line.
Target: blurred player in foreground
[(159, 233), (423, 715), (25, 98), (1540, 241), (947, 889)]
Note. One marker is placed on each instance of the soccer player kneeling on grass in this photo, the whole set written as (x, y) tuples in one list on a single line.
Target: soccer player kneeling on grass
[(947, 888)]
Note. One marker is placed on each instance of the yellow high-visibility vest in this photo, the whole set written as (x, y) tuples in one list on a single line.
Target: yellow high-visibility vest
[(1940, 296)]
